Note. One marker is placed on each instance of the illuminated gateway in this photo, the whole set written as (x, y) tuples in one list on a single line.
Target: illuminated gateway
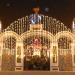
[(37, 42)]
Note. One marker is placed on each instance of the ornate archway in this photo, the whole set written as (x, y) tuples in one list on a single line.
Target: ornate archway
[(45, 34), (36, 45), (65, 42), (8, 41)]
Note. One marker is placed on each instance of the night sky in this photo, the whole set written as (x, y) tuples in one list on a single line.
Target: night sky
[(11, 10)]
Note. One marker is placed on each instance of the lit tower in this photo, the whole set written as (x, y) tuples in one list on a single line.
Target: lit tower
[(73, 25)]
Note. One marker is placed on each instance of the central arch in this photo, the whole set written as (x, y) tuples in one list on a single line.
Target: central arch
[(36, 45)]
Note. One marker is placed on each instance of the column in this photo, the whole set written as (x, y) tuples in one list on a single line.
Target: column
[(19, 56), (73, 55), (54, 57), (1, 48)]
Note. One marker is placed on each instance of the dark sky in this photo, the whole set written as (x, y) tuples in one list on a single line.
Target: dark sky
[(11, 10)]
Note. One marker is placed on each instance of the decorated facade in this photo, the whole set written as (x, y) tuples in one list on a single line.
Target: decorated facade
[(37, 42)]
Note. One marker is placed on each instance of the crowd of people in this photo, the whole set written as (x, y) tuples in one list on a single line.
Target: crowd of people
[(36, 63)]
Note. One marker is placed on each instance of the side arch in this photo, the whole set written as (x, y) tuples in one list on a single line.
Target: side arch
[(65, 41), (65, 34), (8, 41), (9, 33)]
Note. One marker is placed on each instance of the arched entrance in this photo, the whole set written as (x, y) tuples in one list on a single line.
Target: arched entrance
[(36, 50), (65, 50), (8, 51), (8, 54), (65, 54)]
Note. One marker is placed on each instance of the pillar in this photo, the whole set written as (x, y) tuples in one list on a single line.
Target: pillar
[(1, 48), (19, 55), (54, 57), (73, 55)]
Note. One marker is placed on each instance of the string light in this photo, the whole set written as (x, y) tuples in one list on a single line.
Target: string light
[(50, 25)]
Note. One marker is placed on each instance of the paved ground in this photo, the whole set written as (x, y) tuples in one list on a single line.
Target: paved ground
[(37, 73)]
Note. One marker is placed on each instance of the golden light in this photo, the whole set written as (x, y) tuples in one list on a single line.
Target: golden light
[(36, 52)]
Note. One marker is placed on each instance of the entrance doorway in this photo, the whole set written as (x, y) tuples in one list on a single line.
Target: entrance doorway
[(36, 53)]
